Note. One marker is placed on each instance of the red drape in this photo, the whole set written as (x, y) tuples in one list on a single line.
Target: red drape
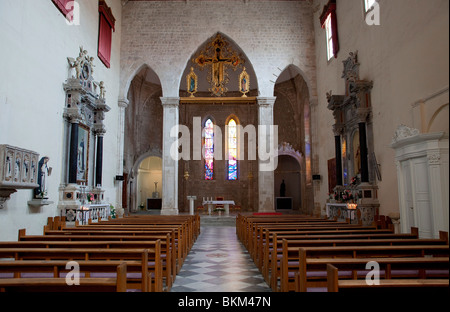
[(106, 27), (104, 41), (330, 8)]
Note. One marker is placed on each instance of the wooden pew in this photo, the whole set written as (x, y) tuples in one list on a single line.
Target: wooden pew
[(123, 254), (57, 284), (257, 248), (274, 241), (167, 262), (180, 252), (301, 262), (334, 284), (271, 269)]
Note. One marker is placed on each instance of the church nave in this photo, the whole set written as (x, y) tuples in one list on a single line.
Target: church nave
[(218, 262)]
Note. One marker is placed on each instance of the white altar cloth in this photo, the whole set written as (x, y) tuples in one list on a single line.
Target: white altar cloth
[(226, 204)]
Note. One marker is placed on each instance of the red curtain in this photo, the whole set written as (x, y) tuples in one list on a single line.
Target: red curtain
[(106, 27), (104, 41), (330, 8)]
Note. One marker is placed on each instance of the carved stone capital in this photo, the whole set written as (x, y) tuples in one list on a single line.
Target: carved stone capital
[(73, 116), (434, 158), (123, 103), (338, 129), (170, 102), (363, 114), (266, 101), (101, 131)]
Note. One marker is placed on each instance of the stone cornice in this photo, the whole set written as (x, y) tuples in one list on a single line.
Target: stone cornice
[(170, 101), (266, 101)]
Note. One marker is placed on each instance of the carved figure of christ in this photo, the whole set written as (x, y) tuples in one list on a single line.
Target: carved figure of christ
[(218, 63)]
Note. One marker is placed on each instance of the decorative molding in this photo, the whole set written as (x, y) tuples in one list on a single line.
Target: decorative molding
[(266, 101), (404, 132), (18, 170), (170, 102), (287, 149), (351, 67), (434, 158)]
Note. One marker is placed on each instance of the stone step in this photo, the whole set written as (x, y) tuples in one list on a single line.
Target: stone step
[(217, 220)]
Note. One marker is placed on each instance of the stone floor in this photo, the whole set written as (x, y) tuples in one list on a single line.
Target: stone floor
[(218, 262)]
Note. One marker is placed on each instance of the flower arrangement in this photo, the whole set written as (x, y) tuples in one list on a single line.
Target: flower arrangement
[(345, 196), (90, 197), (112, 211)]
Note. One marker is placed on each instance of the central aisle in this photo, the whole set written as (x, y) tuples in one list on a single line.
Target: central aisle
[(219, 263)]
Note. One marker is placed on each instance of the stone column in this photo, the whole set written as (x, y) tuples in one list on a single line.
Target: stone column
[(363, 151), (170, 162), (123, 104), (338, 152), (99, 160), (266, 142), (73, 151)]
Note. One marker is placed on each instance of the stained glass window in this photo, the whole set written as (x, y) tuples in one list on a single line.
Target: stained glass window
[(208, 148), (232, 150)]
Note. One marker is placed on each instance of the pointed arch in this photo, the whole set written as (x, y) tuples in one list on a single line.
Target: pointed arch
[(233, 84)]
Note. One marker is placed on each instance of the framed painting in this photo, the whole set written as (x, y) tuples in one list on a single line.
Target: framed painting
[(83, 154)]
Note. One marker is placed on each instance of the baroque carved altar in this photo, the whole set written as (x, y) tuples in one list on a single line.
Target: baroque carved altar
[(356, 169), (84, 114)]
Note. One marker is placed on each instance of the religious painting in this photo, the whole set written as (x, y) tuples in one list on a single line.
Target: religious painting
[(356, 154), (82, 154), (244, 83), (192, 82)]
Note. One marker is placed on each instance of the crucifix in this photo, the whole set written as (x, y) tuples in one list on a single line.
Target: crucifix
[(219, 60)]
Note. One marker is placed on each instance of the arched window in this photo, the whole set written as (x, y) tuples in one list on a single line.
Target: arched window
[(208, 148), (232, 150)]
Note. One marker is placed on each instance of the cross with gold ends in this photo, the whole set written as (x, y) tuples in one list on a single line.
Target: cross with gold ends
[(218, 63)]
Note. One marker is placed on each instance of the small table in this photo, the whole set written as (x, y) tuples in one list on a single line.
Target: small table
[(226, 204)]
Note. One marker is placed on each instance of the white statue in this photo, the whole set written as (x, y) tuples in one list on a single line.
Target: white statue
[(44, 173)]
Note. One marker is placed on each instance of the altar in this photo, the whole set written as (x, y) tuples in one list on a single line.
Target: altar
[(226, 204), (84, 213), (355, 213)]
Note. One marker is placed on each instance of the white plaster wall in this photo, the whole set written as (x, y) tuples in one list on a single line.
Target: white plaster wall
[(35, 43), (406, 57)]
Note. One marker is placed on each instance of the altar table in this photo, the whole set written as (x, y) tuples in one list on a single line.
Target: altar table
[(226, 204)]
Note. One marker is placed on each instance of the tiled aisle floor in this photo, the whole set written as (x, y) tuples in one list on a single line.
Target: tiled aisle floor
[(218, 262)]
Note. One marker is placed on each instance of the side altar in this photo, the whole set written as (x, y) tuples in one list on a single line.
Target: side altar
[(357, 170), (80, 193)]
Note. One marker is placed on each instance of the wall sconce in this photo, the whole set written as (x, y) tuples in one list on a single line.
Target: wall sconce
[(186, 175)]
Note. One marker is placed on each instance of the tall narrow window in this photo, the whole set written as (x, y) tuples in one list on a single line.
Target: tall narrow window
[(328, 29), (328, 21), (208, 147), (232, 150)]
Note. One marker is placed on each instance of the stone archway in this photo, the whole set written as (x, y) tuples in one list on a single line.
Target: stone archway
[(290, 169)]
